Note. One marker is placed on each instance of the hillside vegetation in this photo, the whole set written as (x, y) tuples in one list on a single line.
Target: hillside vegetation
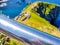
[(5, 40), (31, 17)]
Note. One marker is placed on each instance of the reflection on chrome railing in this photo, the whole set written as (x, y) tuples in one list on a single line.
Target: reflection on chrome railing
[(26, 34)]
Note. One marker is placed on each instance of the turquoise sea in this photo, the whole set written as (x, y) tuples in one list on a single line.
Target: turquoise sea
[(14, 7)]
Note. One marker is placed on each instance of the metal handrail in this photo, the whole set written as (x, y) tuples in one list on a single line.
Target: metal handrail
[(28, 34)]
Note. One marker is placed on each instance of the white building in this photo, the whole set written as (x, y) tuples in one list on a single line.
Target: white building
[(3, 3)]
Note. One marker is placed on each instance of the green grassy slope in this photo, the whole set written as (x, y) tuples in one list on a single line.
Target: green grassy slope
[(38, 22), (5, 40)]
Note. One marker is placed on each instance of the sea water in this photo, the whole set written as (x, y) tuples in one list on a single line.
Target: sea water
[(14, 7)]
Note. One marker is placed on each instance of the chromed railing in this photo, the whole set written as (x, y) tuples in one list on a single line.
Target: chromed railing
[(24, 33)]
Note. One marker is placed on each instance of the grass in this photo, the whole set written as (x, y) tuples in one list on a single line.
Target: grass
[(39, 23), (4, 38), (14, 42)]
